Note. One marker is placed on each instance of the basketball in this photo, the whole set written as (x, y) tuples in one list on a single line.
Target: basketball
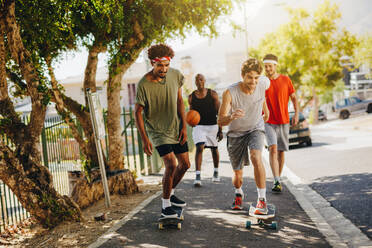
[(192, 118)]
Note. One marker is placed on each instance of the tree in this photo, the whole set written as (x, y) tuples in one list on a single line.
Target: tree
[(20, 165), (363, 54), (124, 29), (309, 47), (32, 35)]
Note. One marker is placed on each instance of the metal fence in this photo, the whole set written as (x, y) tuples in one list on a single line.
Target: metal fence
[(61, 154)]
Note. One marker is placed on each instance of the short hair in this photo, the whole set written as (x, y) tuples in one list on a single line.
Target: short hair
[(251, 65), (160, 50), (199, 75), (270, 56)]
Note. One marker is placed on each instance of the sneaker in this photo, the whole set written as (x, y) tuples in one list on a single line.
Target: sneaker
[(238, 202), (197, 182), (261, 207), (277, 188), (175, 201), (168, 212), (215, 177)]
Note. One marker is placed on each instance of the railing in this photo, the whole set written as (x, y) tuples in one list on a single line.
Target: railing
[(61, 154)]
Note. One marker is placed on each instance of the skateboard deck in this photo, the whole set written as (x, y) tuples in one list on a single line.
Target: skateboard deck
[(263, 220), (172, 222)]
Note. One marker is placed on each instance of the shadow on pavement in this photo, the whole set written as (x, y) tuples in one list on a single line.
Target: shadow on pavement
[(349, 194), (209, 221)]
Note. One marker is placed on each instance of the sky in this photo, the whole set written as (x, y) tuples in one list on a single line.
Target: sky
[(263, 16), (72, 64)]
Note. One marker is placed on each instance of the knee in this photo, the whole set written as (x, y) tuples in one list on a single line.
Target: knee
[(256, 159), (273, 150), (185, 165), (199, 148)]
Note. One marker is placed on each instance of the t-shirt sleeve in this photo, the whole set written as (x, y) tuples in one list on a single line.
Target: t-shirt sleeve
[(181, 79), (291, 89), (140, 95)]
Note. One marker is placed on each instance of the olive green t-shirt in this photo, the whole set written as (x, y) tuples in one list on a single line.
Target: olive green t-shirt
[(159, 100)]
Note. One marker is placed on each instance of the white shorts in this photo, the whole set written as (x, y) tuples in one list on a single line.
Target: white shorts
[(206, 134)]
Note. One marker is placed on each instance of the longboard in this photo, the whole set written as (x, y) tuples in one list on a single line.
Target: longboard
[(263, 220), (172, 222)]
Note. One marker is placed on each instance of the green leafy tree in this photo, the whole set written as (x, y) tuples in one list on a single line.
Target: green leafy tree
[(20, 61), (363, 54), (124, 29), (309, 47)]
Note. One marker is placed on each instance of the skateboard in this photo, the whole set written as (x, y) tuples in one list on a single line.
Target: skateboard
[(263, 220), (172, 222)]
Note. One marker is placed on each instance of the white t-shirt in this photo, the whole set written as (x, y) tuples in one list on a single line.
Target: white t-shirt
[(252, 106)]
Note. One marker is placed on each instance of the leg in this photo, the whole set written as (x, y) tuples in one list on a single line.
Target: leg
[(216, 156), (280, 161), (199, 156), (238, 179), (274, 162), (183, 166), (259, 169), (168, 177)]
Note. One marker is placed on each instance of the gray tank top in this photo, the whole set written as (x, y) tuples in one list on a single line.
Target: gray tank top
[(252, 106)]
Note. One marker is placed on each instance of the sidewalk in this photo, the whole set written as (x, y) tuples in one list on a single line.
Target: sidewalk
[(209, 222)]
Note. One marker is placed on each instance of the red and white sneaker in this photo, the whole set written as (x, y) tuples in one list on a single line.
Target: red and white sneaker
[(238, 202), (261, 207)]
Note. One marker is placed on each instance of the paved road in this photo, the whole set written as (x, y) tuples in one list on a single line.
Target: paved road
[(339, 167), (209, 222)]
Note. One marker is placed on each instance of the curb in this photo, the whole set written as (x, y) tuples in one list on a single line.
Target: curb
[(110, 233), (329, 221)]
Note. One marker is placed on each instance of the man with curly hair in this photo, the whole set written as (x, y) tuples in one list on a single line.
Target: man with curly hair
[(241, 109), (160, 119)]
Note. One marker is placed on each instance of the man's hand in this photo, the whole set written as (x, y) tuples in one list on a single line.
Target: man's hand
[(294, 120), (147, 146), (238, 113), (265, 117), (219, 135), (183, 136)]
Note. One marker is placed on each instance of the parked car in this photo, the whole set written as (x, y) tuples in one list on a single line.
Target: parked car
[(351, 105), (322, 115), (299, 134)]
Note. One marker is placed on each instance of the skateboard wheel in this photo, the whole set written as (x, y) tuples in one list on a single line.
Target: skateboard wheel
[(248, 224), (161, 227), (182, 218), (274, 225), (179, 226)]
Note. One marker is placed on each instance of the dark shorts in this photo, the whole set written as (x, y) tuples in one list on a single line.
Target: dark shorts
[(168, 148)]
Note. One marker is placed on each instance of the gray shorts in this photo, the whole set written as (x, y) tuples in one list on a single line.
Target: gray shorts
[(277, 135), (237, 147)]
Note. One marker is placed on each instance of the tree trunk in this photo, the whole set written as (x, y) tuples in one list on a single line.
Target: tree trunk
[(34, 189), (116, 144)]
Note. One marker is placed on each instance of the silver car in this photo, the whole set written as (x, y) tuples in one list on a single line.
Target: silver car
[(351, 105)]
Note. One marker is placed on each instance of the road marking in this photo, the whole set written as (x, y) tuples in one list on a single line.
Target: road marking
[(329, 221)]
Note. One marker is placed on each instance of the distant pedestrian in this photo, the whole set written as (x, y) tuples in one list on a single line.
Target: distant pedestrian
[(241, 109), (207, 133), (277, 127), (160, 119)]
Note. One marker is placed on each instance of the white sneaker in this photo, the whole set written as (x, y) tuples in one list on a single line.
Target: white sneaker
[(216, 179)]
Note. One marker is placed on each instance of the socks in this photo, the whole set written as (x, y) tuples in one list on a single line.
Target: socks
[(215, 169), (172, 192), (197, 172), (165, 203), (276, 179), (261, 193), (239, 191)]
